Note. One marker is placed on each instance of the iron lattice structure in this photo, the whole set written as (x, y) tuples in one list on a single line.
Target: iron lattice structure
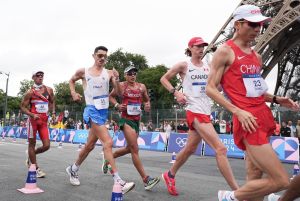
[(278, 43)]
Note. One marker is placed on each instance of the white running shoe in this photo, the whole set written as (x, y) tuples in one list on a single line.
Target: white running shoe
[(40, 173), (126, 186), (74, 178), (273, 197), (224, 196)]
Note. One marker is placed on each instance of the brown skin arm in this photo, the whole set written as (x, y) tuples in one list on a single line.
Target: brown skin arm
[(112, 98), (146, 99), (25, 104), (51, 100)]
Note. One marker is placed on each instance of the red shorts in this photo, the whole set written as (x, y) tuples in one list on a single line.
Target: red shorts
[(191, 116), (40, 125), (266, 127)]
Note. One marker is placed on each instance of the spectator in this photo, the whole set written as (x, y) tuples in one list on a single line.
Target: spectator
[(298, 130), (293, 128), (284, 130), (150, 126)]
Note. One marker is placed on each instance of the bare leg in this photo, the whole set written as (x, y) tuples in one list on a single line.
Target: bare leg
[(31, 150), (276, 180), (45, 147), (190, 147), (102, 133), (131, 138), (208, 133), (89, 146), (253, 173), (293, 191), (121, 152)]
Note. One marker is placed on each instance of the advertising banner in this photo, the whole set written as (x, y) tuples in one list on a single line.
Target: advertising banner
[(178, 141)]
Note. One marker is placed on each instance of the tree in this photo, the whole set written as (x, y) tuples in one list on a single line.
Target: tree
[(25, 86), (151, 78), (63, 98), (120, 60)]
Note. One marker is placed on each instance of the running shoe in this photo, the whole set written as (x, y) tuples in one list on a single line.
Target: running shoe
[(224, 196), (40, 173), (273, 197), (170, 183), (151, 182), (74, 178), (126, 186), (104, 165)]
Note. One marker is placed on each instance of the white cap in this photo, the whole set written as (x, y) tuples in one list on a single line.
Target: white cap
[(36, 71), (130, 68), (250, 13)]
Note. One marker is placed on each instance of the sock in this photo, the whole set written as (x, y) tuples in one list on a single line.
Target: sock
[(117, 178), (170, 175), (74, 168)]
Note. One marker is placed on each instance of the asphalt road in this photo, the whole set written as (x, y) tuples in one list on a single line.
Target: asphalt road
[(198, 180)]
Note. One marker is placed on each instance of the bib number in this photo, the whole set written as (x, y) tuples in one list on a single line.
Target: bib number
[(198, 89), (133, 108), (255, 85), (41, 107), (101, 102)]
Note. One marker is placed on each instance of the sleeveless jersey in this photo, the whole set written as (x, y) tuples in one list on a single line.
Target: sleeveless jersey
[(39, 102), (242, 82), (194, 86), (97, 89), (133, 99)]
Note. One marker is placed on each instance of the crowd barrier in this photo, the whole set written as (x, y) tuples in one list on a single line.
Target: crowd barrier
[(287, 148)]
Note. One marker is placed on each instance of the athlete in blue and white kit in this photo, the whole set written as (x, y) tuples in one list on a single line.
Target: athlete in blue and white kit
[(95, 82)]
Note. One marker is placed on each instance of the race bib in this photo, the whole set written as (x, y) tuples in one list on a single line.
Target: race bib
[(133, 108), (198, 89), (41, 107), (101, 102), (255, 85)]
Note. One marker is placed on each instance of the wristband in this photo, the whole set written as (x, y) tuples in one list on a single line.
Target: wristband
[(116, 105), (275, 100)]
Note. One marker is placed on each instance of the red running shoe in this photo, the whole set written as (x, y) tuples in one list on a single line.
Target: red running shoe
[(170, 183)]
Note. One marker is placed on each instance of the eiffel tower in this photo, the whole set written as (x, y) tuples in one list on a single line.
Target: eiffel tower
[(278, 43)]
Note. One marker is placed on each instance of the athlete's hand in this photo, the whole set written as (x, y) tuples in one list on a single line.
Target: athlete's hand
[(115, 74), (287, 102), (122, 107), (147, 106), (76, 96), (36, 116), (180, 97), (247, 120)]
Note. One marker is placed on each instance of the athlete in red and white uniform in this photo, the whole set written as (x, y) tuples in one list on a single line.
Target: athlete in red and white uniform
[(40, 100), (133, 95), (194, 74), (237, 67)]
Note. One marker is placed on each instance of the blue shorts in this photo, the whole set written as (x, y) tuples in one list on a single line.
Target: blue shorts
[(96, 116)]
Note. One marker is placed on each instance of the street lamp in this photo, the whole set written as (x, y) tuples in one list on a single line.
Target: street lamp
[(5, 105)]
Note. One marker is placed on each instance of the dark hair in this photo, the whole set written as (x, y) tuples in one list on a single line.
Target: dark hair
[(188, 52), (100, 48)]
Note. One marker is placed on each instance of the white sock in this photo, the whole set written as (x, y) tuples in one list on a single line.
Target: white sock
[(117, 178), (74, 168)]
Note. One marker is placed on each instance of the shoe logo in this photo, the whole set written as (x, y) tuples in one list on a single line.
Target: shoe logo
[(239, 58), (191, 70), (181, 142)]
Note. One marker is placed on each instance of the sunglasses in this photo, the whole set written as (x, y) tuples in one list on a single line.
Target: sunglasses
[(39, 75), (131, 73), (99, 56), (252, 24)]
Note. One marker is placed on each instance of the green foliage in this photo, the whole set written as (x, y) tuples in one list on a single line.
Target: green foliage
[(120, 60), (25, 86), (63, 96), (151, 78)]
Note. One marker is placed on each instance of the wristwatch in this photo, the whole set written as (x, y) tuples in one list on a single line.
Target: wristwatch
[(172, 91)]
